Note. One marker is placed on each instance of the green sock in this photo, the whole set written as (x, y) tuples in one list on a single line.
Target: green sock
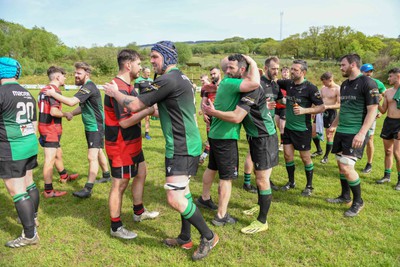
[(247, 177)]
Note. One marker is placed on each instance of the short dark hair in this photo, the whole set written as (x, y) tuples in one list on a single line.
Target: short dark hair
[(84, 66), (352, 58), (394, 71), (242, 63), (301, 62), (326, 76), (214, 68), (54, 69), (273, 58), (126, 55)]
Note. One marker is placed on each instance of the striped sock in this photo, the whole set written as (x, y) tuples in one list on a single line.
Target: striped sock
[(247, 178)]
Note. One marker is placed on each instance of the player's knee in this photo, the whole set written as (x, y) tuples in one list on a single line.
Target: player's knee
[(346, 161)]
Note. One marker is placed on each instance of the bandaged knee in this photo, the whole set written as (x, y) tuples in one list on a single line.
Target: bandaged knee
[(346, 160), (177, 186)]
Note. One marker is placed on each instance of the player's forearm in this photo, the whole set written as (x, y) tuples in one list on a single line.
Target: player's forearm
[(69, 101), (335, 106), (136, 118), (76, 111), (314, 110), (228, 116)]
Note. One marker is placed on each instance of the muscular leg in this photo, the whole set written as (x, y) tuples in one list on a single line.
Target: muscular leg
[(208, 177), (225, 189), (49, 160), (177, 200)]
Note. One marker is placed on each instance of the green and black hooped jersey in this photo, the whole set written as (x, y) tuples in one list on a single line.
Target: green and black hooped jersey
[(173, 94), (259, 121), (305, 94), (142, 84), (17, 133), (271, 90), (92, 107), (355, 96)]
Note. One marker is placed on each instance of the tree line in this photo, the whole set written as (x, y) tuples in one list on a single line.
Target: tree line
[(37, 48)]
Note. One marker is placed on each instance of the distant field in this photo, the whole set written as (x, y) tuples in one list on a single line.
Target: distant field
[(303, 231)]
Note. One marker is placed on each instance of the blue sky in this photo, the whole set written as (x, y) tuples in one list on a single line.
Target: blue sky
[(84, 23)]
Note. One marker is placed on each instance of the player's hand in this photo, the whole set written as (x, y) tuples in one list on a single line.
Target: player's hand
[(378, 115), (358, 140), (208, 109), (150, 110), (49, 92), (110, 88), (298, 110), (69, 116), (330, 131), (206, 118), (271, 104)]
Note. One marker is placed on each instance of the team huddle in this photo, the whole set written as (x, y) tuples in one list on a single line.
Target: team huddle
[(245, 95)]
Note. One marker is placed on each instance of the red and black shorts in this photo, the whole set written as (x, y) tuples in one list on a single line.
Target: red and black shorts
[(181, 165), (342, 144), (301, 140), (224, 158), (45, 141), (264, 151), (128, 171), (95, 139), (17, 168)]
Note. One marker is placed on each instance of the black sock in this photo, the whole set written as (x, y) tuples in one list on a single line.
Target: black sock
[(194, 216), (48, 187), (265, 202), (355, 187), (33, 193), (345, 187), (328, 149), (317, 144), (185, 230), (290, 168), (106, 175), (26, 212), (138, 209), (309, 174), (116, 223), (63, 172), (89, 186)]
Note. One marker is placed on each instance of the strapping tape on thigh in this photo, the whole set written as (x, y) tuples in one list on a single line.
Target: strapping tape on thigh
[(176, 186)]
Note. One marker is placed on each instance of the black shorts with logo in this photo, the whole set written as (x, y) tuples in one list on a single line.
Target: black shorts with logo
[(390, 129), (264, 151), (181, 165), (95, 139), (329, 116), (342, 143), (301, 140), (17, 168), (281, 112), (129, 171), (224, 158)]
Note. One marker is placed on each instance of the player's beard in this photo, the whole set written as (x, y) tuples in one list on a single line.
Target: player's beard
[(78, 81), (346, 73)]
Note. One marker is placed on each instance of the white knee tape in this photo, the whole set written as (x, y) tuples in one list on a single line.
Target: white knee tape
[(347, 161), (176, 186)]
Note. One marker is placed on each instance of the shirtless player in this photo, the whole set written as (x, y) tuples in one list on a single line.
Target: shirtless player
[(330, 94)]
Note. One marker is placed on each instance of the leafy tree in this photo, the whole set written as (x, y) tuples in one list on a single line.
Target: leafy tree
[(184, 52)]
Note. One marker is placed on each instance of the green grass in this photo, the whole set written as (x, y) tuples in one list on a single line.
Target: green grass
[(303, 231)]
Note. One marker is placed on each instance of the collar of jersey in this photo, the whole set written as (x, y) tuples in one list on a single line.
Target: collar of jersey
[(10, 83), (174, 68)]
